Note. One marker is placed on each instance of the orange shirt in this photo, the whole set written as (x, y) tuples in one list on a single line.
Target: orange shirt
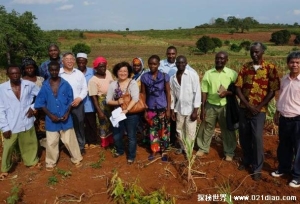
[(255, 85)]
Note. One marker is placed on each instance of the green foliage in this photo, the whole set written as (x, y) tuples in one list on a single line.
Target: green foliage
[(297, 40), (235, 48), (64, 173), (81, 47), (280, 37), (123, 193), (218, 42), (15, 194), (52, 180), (227, 42), (98, 164), (21, 36), (246, 45), (224, 189), (205, 44)]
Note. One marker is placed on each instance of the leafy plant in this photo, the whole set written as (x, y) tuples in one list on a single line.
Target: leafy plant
[(15, 194), (98, 164), (64, 173), (52, 180), (224, 189)]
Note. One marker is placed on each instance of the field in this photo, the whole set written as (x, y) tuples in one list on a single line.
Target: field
[(89, 184)]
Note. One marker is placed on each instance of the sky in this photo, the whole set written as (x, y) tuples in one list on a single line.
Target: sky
[(150, 14)]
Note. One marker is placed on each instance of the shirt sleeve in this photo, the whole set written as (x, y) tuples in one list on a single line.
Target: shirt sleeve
[(196, 90), (93, 88), (173, 96), (134, 90), (274, 81), (4, 126), (204, 83), (239, 81), (84, 90), (34, 92), (110, 91), (41, 100)]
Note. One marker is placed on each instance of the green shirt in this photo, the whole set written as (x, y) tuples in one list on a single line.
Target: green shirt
[(211, 82)]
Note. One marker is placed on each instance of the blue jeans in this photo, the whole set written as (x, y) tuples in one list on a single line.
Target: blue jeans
[(130, 123)]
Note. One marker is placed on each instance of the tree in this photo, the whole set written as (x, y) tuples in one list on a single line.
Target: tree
[(219, 22), (20, 36), (280, 37), (218, 43), (127, 29), (205, 43), (233, 22), (246, 45), (247, 23), (235, 48), (81, 47), (297, 40)]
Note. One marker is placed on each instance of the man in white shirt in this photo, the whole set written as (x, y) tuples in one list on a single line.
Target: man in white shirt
[(186, 100), (78, 83)]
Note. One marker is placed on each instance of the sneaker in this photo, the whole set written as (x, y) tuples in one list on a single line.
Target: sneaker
[(242, 167), (257, 177), (78, 164), (294, 184), (199, 153), (130, 161), (277, 173), (228, 158), (82, 151)]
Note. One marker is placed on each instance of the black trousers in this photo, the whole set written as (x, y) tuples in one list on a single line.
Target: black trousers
[(90, 128), (78, 122)]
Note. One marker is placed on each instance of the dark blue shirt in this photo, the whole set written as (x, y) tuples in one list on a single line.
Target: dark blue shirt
[(57, 105), (43, 69)]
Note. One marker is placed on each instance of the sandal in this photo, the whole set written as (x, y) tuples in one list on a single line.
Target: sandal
[(50, 168), (3, 176), (92, 146), (37, 165), (164, 157), (151, 157), (79, 164), (115, 155)]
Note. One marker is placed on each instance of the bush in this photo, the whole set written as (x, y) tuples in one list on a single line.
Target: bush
[(246, 45), (235, 48), (280, 37), (297, 40), (227, 42), (205, 43), (81, 47)]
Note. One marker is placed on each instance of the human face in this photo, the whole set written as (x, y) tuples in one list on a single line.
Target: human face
[(171, 55), (220, 60), (14, 75), (54, 71), (136, 68), (122, 73), (69, 61), (29, 70), (294, 66), (81, 63), (181, 63), (101, 68), (53, 52), (153, 65), (256, 53)]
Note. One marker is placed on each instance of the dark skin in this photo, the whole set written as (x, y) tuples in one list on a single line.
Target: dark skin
[(153, 66), (14, 75), (181, 63), (171, 55), (53, 53), (294, 67), (256, 53), (29, 71), (100, 73), (81, 64), (221, 59), (54, 83)]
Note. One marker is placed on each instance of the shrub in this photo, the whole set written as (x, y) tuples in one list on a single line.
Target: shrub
[(235, 48), (227, 42), (81, 47), (297, 40), (280, 37), (205, 43)]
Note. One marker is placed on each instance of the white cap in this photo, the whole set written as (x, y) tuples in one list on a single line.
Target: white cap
[(80, 54)]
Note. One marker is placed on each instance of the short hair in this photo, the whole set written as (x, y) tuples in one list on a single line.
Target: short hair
[(263, 47), (53, 45), (68, 53), (53, 63), (172, 48), (154, 57), (12, 65), (29, 61), (118, 66), (222, 52), (293, 55), (181, 56)]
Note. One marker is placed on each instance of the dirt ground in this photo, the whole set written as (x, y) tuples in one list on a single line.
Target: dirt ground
[(90, 184)]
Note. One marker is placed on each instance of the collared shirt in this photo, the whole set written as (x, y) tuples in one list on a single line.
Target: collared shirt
[(43, 69), (255, 85), (211, 82), (87, 102), (288, 103), (187, 96), (57, 105), (155, 90), (77, 81), (171, 69), (12, 110)]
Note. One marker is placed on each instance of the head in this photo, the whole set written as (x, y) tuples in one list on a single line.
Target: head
[(257, 50), (221, 59), (181, 62), (122, 70), (293, 62), (29, 67), (81, 61), (53, 51), (68, 60), (137, 65), (100, 64), (153, 63), (13, 72), (53, 68), (171, 54)]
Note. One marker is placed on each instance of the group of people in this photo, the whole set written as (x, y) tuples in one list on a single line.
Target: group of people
[(74, 105)]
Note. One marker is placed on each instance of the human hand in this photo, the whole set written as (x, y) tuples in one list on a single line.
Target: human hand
[(7, 134), (30, 113), (76, 102)]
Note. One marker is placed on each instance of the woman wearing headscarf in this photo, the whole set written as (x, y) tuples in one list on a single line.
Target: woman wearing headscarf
[(30, 72), (98, 86)]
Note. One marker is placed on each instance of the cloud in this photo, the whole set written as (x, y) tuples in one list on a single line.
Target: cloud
[(65, 7), (296, 12), (38, 1), (87, 3)]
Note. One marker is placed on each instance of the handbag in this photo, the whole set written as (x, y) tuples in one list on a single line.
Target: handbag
[(140, 106)]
